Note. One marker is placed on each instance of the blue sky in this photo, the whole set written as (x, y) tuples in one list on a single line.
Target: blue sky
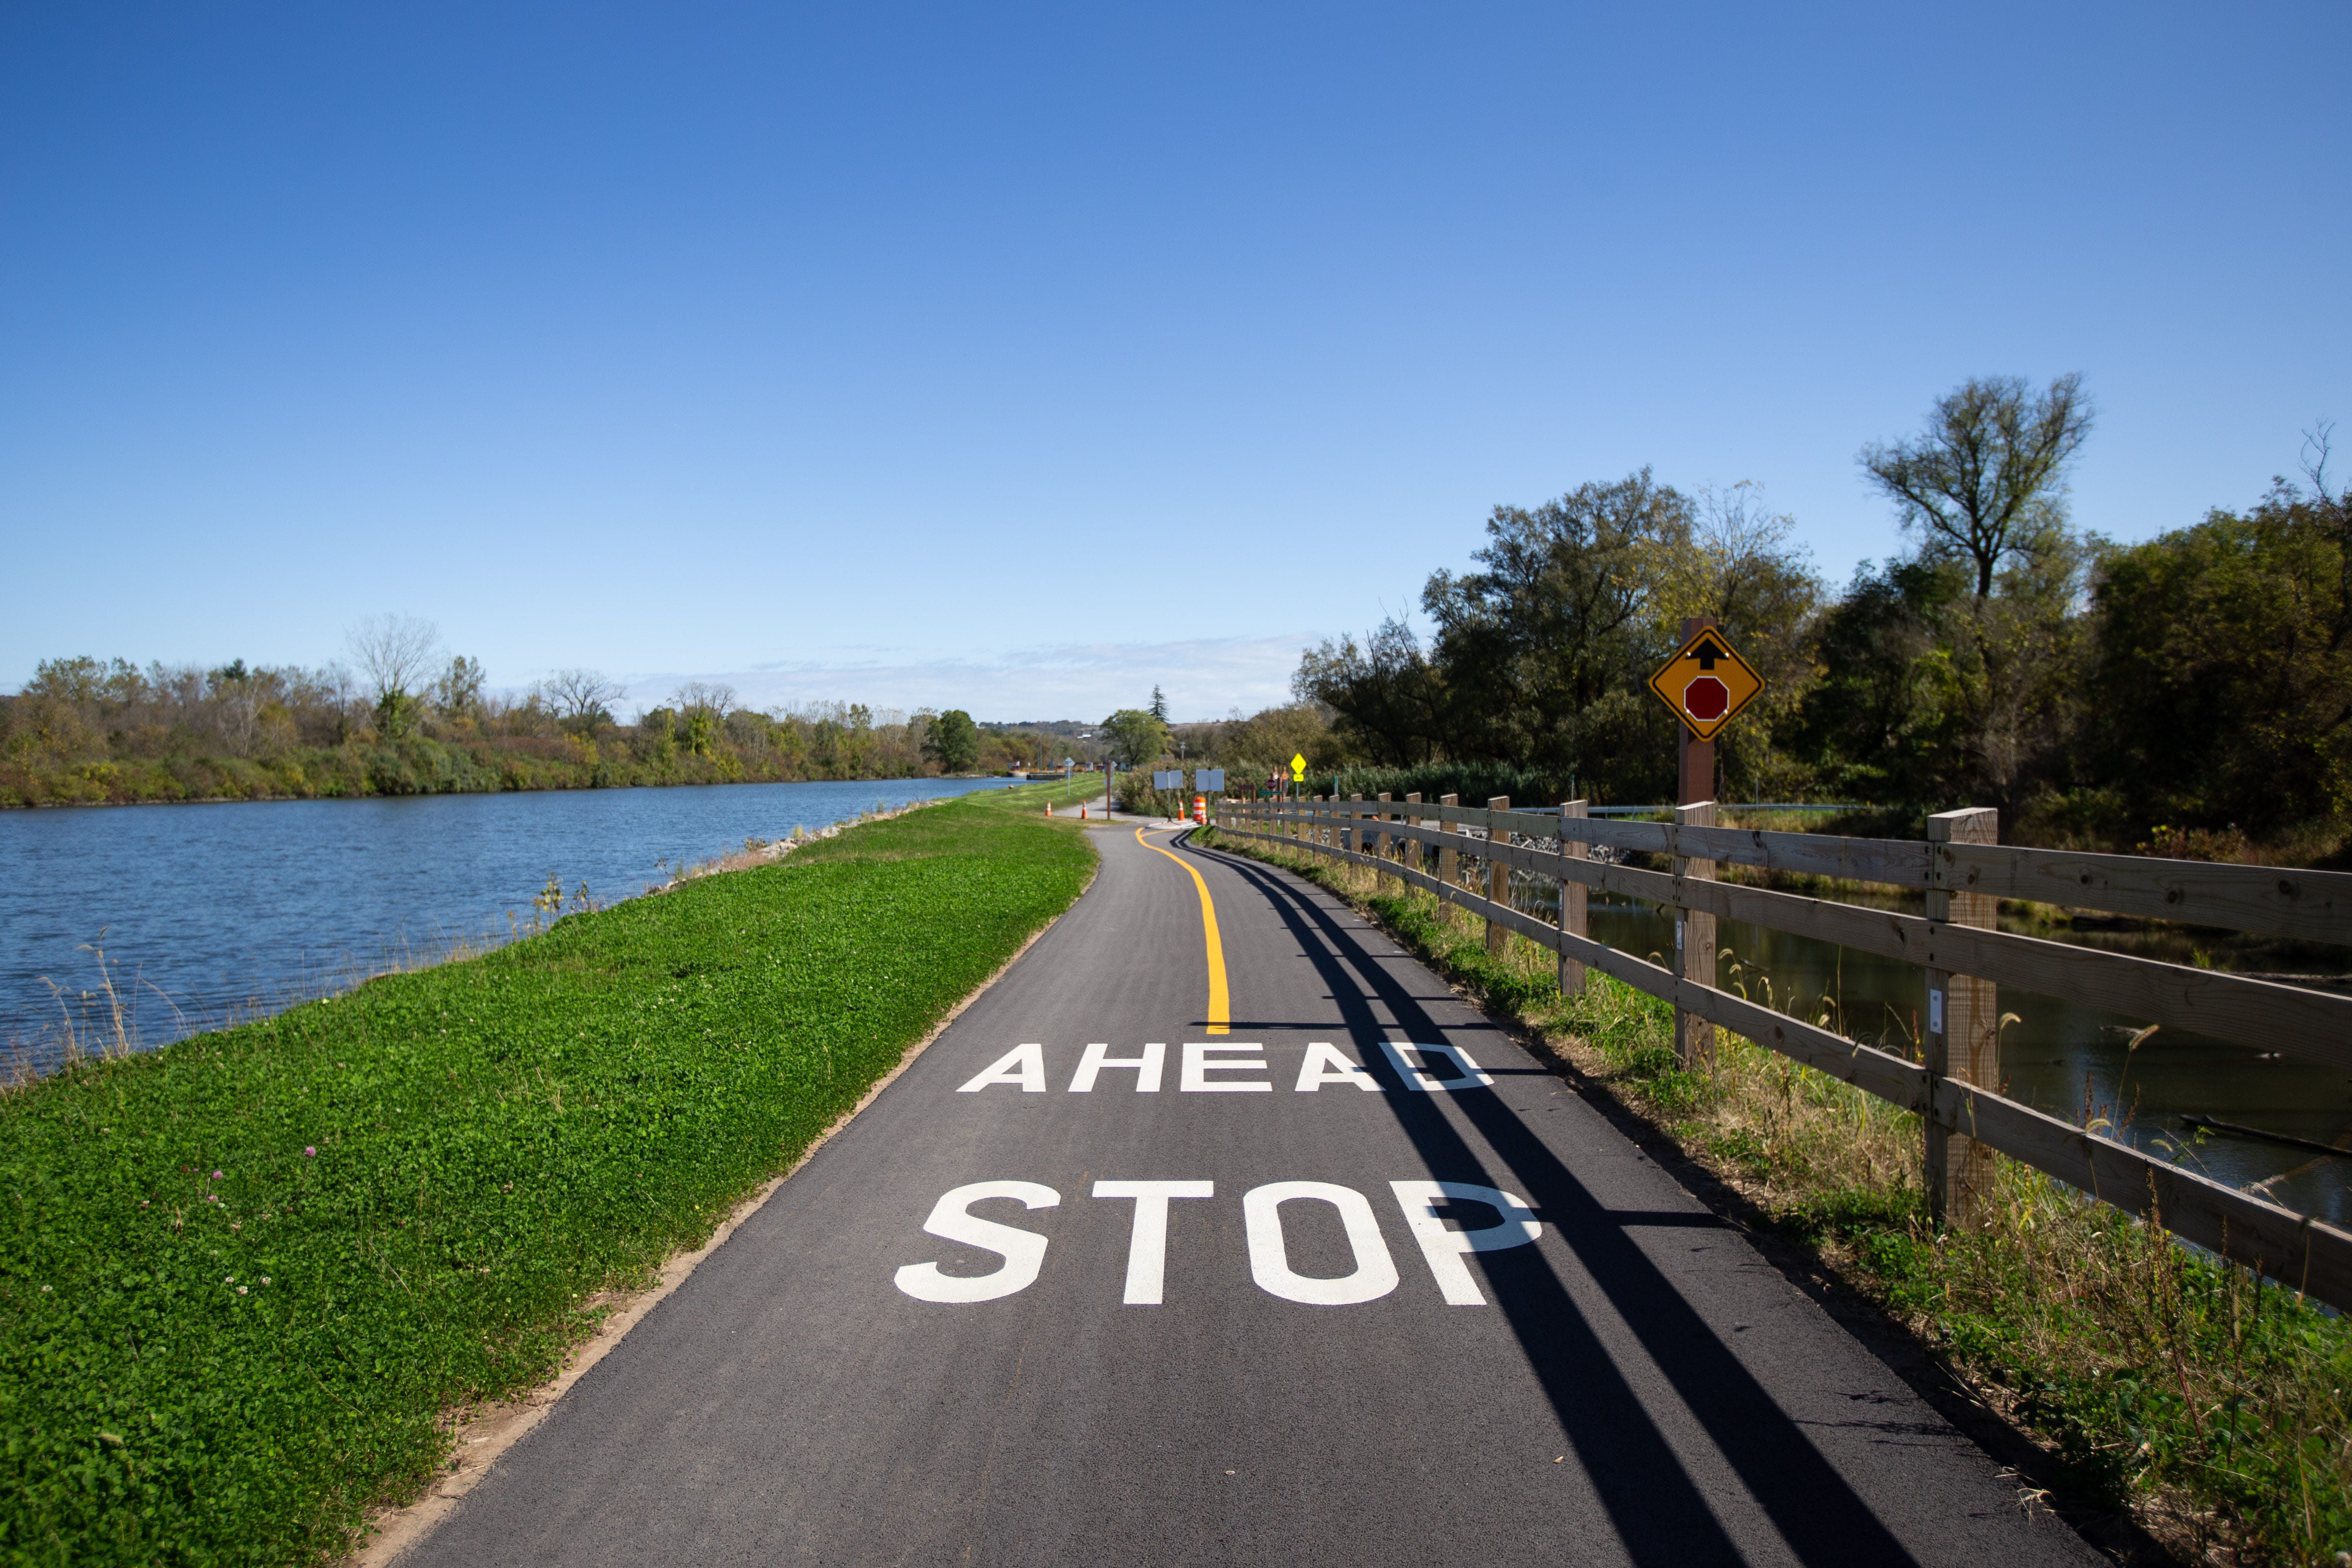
[(1017, 358)]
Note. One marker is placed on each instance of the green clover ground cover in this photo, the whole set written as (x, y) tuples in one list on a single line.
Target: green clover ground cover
[(242, 1278)]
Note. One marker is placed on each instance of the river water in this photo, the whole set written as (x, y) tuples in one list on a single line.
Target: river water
[(207, 913)]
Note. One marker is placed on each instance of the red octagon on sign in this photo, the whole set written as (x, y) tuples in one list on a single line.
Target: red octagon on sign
[(1706, 698)]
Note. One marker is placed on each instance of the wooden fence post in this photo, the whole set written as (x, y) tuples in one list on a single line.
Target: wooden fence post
[(1409, 849), (1498, 881), (1381, 841), (1447, 862), (1962, 1039), (1571, 900), (1694, 945)]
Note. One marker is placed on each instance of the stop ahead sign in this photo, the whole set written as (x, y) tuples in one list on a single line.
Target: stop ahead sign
[(1707, 683)]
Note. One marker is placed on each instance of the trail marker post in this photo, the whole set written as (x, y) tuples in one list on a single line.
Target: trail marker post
[(1694, 942)]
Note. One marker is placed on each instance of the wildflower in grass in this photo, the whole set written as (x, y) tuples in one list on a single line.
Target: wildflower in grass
[(265, 1279), (240, 1289), (216, 1176), (310, 1151)]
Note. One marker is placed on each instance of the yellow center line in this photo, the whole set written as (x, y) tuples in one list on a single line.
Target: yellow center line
[(1221, 1015)]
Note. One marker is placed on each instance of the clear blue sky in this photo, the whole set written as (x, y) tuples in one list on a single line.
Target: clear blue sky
[(1018, 357)]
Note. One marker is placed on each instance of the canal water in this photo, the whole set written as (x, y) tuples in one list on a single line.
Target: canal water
[(179, 918)]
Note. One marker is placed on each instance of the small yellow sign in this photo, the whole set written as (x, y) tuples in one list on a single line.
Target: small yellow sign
[(1297, 766), (1707, 683)]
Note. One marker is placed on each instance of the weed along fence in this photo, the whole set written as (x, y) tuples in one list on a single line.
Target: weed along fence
[(1464, 855)]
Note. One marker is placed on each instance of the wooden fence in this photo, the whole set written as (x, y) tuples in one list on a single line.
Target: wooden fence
[(1963, 874)]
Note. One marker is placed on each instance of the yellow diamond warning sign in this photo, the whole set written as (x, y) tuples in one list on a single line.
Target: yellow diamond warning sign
[(1706, 683)]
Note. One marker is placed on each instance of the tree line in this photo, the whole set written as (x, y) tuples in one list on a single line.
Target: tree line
[(2189, 694), (403, 717)]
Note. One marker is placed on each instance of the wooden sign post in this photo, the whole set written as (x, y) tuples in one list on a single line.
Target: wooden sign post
[(1706, 683)]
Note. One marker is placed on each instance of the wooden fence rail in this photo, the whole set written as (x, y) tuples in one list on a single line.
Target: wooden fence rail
[(2297, 1250)]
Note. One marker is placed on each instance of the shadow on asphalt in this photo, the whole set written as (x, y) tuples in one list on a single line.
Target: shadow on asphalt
[(1657, 1509)]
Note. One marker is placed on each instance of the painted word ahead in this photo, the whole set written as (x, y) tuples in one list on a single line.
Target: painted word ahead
[(1372, 1276), (1222, 1067)]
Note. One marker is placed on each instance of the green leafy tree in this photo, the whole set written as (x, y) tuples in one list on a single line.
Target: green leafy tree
[(952, 741), (2221, 688), (1386, 695), (1133, 738), (458, 694), (1539, 658), (1986, 480)]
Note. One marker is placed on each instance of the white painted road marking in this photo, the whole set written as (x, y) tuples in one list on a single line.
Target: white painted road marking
[(1444, 1248), (1375, 1274), (1197, 1068), (1023, 1065), (1469, 1077), (1023, 1252), (1146, 1248), (1146, 1067), (1325, 1064), (1023, 1068)]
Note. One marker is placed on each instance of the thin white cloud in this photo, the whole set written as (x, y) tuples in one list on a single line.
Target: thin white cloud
[(1202, 679)]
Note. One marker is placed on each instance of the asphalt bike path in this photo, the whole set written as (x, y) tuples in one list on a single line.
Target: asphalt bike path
[(1251, 1247)]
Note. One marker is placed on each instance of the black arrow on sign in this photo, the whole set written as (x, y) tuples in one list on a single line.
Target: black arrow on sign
[(1708, 653)]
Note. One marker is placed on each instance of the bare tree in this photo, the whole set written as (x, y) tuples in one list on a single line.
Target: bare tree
[(1986, 478), (705, 696), (342, 690), (583, 697), (2318, 445), (394, 654)]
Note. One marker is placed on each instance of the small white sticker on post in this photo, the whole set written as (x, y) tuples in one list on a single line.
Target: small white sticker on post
[(1935, 1010)]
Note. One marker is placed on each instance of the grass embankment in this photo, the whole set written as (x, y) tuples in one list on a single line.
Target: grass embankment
[(2157, 1380), (242, 1278)]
